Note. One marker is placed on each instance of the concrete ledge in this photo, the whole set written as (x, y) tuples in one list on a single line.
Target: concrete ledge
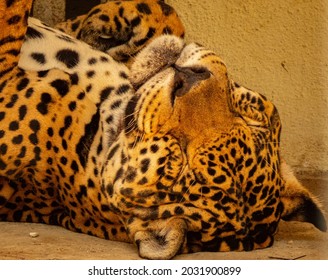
[(294, 240)]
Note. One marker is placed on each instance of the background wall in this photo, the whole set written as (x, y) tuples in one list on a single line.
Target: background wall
[(279, 48)]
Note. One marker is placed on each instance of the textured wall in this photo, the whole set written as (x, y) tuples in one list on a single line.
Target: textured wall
[(279, 48)]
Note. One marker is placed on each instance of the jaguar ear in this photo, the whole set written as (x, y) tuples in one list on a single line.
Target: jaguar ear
[(163, 244), (298, 203)]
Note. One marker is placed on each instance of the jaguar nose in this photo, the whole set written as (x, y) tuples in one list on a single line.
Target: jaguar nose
[(187, 77)]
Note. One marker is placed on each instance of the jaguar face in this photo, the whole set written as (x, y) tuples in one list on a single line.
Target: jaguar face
[(201, 156)]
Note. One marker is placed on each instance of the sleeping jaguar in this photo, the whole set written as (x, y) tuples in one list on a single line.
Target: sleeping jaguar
[(171, 155)]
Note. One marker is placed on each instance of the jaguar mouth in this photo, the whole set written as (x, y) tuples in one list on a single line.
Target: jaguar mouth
[(177, 86), (106, 41)]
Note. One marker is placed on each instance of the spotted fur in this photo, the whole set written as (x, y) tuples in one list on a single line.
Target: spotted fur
[(90, 69), (191, 164), (123, 28)]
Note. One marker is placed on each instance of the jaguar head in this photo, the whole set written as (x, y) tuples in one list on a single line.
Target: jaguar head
[(197, 167)]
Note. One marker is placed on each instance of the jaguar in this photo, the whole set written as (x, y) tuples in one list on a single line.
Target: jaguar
[(171, 155)]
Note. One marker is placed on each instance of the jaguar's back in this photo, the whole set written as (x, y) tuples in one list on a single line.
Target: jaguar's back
[(54, 129)]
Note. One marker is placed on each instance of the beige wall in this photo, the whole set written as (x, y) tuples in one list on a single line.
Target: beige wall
[(279, 48)]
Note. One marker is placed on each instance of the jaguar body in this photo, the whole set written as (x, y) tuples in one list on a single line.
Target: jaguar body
[(172, 154)]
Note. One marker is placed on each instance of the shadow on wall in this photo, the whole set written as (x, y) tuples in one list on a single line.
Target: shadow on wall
[(52, 12), (79, 7)]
